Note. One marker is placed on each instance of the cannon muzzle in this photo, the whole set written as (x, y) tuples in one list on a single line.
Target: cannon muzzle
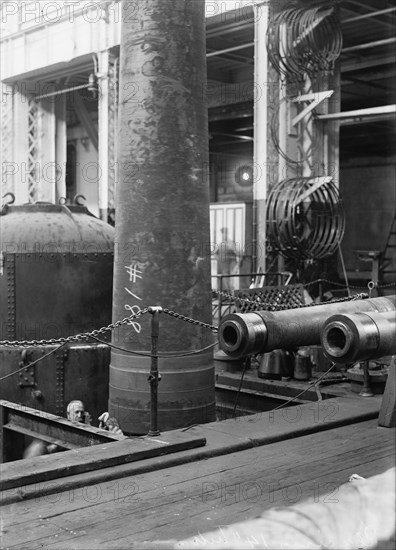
[(242, 334), (359, 336)]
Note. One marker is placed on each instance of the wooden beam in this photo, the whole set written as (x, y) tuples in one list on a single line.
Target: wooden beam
[(16, 418), (59, 465), (387, 414)]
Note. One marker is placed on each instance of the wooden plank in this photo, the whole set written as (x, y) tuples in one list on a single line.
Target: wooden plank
[(224, 437), (387, 414), (315, 448), (180, 512), (48, 467), (233, 497), (3, 439), (30, 433), (296, 421), (298, 451), (162, 503)]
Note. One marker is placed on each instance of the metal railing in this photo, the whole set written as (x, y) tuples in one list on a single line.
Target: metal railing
[(282, 279)]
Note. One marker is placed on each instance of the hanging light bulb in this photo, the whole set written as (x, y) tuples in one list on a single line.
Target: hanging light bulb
[(93, 84)]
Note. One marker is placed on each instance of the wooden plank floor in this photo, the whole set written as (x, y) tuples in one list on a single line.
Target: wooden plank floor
[(153, 509)]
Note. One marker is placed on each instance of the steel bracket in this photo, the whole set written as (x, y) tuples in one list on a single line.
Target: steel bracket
[(27, 377)]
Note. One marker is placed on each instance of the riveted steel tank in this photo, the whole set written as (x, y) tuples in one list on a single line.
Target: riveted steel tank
[(56, 281)]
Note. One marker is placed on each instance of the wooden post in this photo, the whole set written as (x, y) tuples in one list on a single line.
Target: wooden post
[(387, 414)]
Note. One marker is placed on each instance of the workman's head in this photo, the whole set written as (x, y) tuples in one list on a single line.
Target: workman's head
[(76, 411)]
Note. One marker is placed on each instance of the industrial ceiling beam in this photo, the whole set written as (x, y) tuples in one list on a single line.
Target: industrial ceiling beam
[(369, 10), (231, 49), (236, 136), (370, 114), (360, 64), (218, 31), (367, 45), (368, 15)]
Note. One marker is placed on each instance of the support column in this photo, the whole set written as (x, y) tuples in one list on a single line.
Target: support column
[(260, 153), (46, 186), (103, 132), (60, 146), (113, 135), (162, 255), (8, 166), (21, 134)]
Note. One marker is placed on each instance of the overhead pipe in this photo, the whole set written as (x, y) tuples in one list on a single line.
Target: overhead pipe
[(374, 44), (242, 334), (231, 49), (359, 336)]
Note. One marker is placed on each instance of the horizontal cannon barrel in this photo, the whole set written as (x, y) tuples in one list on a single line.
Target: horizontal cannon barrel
[(359, 336), (242, 334)]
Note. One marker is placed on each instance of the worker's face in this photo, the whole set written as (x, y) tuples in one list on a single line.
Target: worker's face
[(77, 413)]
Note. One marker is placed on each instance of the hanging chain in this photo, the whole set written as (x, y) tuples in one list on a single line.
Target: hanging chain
[(128, 320), (189, 320), (77, 337), (343, 285)]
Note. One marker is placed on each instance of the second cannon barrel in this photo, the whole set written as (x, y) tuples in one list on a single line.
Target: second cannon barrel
[(359, 336)]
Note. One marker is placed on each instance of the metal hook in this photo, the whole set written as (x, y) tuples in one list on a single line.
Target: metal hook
[(76, 199), (371, 285), (9, 194)]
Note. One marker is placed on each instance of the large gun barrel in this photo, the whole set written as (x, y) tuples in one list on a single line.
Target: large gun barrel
[(242, 334), (359, 336)]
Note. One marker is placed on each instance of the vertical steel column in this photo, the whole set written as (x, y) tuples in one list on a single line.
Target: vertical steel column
[(44, 172), (21, 146), (260, 153), (103, 133), (6, 142), (162, 215), (60, 146), (113, 133), (33, 150)]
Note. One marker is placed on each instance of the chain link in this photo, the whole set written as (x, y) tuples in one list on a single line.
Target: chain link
[(273, 306), (77, 337), (127, 320), (189, 320)]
